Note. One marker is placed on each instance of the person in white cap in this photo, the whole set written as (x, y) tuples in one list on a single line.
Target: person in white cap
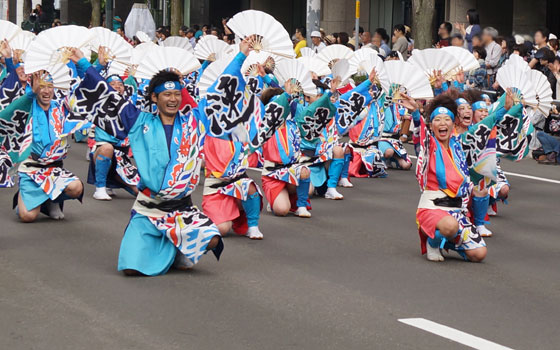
[(318, 44)]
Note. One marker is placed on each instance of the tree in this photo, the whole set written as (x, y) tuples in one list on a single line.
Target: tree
[(423, 16), (95, 13), (176, 16)]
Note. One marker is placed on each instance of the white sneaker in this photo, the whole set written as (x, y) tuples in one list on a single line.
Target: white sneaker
[(302, 212), (344, 182), (491, 211), (111, 192), (332, 193), (88, 154), (434, 254), (101, 194), (268, 208), (254, 233), (182, 262), (55, 212), (483, 231)]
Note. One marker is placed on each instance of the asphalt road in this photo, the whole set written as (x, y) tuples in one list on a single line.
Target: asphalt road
[(340, 280)]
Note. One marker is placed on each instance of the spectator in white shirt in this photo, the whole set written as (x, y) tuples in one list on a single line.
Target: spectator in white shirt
[(493, 52), (318, 44)]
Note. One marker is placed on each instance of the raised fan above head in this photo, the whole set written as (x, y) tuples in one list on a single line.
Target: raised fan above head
[(366, 59), (306, 51), (407, 78), (178, 41), (138, 54), (430, 60), (212, 72), (60, 75), (53, 46), (542, 89), (22, 41), (8, 30), (511, 77), (518, 61), (210, 49), (332, 53), (117, 48), (315, 65), (143, 37), (467, 61), (269, 34), (341, 70), (249, 67), (298, 75), (173, 58)]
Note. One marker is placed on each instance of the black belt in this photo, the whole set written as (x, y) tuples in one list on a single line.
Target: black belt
[(57, 164), (229, 182), (448, 202), (171, 205), (362, 146)]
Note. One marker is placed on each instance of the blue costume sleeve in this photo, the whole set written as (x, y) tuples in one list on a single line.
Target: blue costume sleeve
[(98, 67), (350, 105), (109, 110), (270, 82), (315, 117), (10, 67), (81, 66), (9, 90)]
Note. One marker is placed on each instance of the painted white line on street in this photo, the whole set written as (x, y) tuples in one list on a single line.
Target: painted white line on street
[(543, 179), (453, 334)]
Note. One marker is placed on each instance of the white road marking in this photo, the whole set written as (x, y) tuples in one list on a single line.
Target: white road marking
[(453, 334), (543, 179)]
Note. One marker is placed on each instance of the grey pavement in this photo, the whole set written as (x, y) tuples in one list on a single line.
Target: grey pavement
[(340, 280)]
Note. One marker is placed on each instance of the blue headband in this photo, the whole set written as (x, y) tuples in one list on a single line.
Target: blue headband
[(461, 101), (485, 97), (114, 77), (168, 85), (19, 64), (442, 110), (479, 105)]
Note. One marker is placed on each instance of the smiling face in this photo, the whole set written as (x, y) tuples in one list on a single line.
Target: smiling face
[(45, 96), (465, 114), (480, 114), (118, 86), (21, 74), (442, 127), (168, 102)]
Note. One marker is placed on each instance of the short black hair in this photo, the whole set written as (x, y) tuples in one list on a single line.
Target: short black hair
[(473, 16), (457, 36), (478, 36), (544, 32), (184, 29), (442, 100), (344, 38), (480, 50), (196, 27), (302, 31), (161, 77), (383, 34), (192, 31), (448, 27), (360, 30)]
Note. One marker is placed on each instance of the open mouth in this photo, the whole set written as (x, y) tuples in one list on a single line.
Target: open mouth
[(443, 132), (467, 119)]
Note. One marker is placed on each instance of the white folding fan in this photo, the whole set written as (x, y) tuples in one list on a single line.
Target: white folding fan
[(22, 41), (430, 60), (366, 59), (212, 72), (333, 53), (296, 72), (178, 41), (167, 57), (8, 30), (512, 77), (138, 54), (53, 46), (406, 78), (306, 51), (519, 62), (143, 37), (61, 76), (249, 67), (542, 89), (315, 65), (270, 35), (210, 49), (117, 48), (341, 70), (467, 61)]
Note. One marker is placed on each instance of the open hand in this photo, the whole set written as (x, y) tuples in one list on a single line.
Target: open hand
[(5, 49), (409, 103), (76, 55)]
